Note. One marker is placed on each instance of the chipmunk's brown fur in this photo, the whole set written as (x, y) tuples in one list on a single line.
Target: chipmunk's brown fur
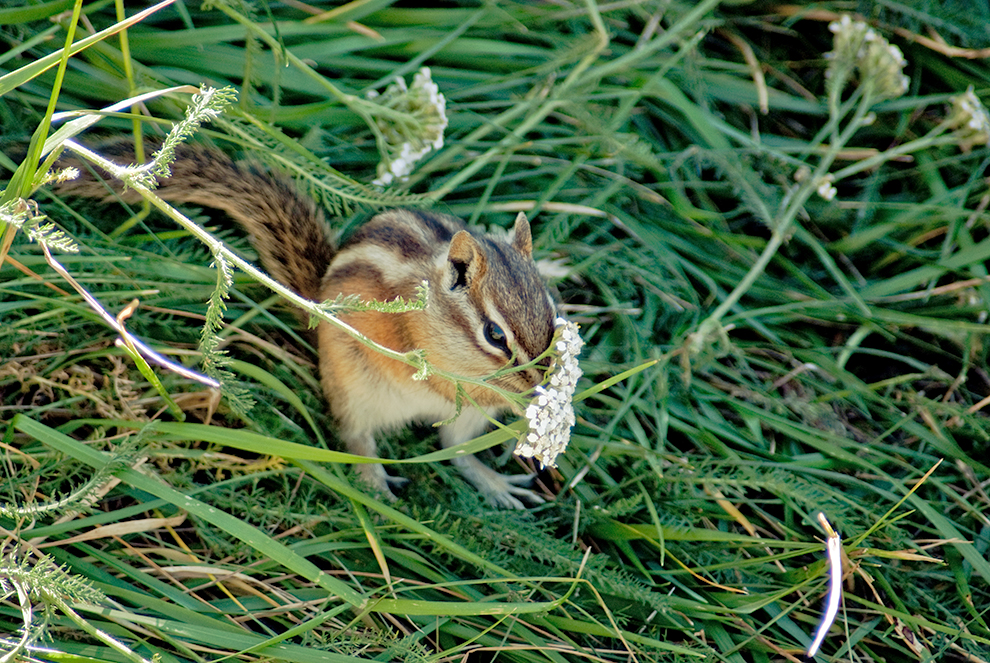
[(487, 306)]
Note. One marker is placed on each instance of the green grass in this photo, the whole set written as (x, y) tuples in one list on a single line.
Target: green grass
[(797, 355)]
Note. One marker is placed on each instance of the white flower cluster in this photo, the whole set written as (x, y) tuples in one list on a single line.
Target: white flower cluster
[(403, 144), (551, 413), (858, 46), (826, 189), (969, 117)]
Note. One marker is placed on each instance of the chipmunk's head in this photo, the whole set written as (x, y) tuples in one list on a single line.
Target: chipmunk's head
[(500, 310)]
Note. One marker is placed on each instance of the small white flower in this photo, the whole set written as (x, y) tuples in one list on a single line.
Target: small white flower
[(551, 413)]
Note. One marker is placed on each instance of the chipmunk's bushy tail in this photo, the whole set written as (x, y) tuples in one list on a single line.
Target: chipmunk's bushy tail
[(286, 228)]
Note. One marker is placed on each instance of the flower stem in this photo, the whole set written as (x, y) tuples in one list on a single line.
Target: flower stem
[(781, 230)]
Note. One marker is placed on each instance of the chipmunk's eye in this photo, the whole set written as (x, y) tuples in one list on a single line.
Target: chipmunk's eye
[(495, 336)]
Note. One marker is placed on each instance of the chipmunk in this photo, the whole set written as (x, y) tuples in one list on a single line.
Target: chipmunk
[(488, 305)]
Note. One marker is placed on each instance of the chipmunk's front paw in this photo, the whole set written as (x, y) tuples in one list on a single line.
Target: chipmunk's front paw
[(375, 477)]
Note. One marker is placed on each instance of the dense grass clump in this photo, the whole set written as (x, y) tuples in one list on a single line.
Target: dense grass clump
[(770, 222)]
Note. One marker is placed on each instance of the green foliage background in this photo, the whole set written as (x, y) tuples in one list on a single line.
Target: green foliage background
[(682, 521)]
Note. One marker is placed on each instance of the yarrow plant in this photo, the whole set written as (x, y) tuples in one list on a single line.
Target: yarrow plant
[(402, 143), (551, 412)]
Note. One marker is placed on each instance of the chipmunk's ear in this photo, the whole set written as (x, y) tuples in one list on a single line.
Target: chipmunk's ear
[(522, 240), (466, 261)]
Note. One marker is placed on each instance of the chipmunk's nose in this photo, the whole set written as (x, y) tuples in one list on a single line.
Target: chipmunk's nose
[(534, 375)]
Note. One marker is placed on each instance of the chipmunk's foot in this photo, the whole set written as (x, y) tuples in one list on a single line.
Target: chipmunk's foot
[(502, 490), (375, 477)]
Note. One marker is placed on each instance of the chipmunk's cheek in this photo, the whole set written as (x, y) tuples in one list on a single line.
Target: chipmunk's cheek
[(463, 359)]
